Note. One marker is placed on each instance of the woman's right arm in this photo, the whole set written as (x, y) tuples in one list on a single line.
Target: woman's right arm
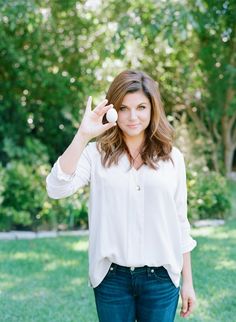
[(72, 169), (69, 159)]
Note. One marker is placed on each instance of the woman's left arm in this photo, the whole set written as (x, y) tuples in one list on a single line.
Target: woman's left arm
[(187, 291), (188, 243)]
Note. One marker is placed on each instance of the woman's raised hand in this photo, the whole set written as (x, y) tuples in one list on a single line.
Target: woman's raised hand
[(91, 125)]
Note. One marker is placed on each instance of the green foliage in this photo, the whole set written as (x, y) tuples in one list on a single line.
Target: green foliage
[(208, 195), (2, 184), (54, 54), (67, 213), (33, 153), (23, 197), (24, 194), (25, 203), (43, 75)]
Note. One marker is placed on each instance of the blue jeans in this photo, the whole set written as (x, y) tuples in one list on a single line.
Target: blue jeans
[(145, 294)]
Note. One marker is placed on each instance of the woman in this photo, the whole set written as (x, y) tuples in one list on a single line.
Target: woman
[(139, 234)]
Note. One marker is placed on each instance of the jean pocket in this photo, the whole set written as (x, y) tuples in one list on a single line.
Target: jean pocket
[(161, 274), (111, 271), (108, 278)]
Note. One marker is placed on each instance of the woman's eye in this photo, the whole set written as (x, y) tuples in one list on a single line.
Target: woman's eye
[(124, 107)]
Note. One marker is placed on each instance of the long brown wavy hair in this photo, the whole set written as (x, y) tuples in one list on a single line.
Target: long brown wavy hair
[(159, 134)]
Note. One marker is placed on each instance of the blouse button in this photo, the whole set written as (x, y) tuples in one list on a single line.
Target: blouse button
[(152, 270), (138, 187)]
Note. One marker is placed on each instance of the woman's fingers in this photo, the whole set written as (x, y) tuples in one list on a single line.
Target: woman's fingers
[(99, 109), (187, 307), (89, 105), (105, 109), (108, 126)]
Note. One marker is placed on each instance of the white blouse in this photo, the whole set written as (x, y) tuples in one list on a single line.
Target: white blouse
[(136, 217)]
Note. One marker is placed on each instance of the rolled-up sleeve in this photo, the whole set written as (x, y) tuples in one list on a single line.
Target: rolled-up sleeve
[(188, 243), (60, 185)]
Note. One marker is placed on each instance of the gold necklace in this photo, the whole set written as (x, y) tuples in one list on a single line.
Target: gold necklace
[(135, 174), (133, 159)]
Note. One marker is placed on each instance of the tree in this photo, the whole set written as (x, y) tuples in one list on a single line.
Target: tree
[(216, 29), (189, 47)]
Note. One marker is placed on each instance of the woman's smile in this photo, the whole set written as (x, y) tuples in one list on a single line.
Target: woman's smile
[(133, 126)]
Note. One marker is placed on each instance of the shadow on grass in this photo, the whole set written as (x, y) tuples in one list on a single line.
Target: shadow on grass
[(214, 271), (44, 278)]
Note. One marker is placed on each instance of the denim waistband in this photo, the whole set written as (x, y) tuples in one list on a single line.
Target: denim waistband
[(142, 269)]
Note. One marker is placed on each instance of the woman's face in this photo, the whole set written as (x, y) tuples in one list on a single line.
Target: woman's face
[(134, 114)]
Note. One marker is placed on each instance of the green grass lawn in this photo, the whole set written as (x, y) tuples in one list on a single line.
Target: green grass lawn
[(46, 279)]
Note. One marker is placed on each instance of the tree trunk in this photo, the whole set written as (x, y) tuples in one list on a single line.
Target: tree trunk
[(227, 133)]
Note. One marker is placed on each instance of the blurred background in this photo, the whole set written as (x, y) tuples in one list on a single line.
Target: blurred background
[(54, 54)]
